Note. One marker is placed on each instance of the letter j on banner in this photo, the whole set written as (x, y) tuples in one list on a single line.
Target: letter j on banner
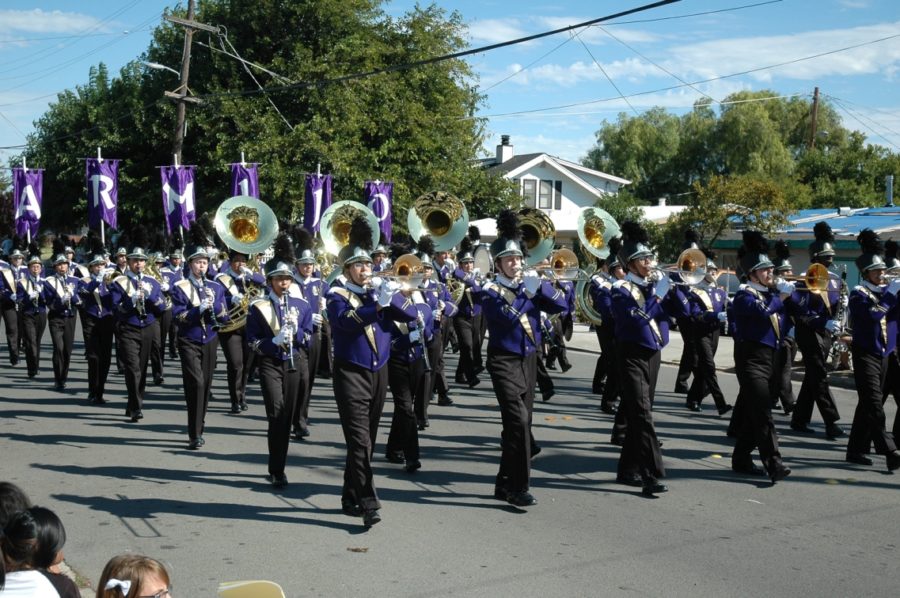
[(103, 191), (379, 197)]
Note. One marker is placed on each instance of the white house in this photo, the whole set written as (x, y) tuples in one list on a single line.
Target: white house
[(558, 187)]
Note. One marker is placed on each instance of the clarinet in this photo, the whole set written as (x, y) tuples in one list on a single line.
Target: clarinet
[(213, 320), (420, 324), (140, 307), (289, 324)]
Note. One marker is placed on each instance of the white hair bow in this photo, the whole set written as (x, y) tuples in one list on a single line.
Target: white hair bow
[(124, 586)]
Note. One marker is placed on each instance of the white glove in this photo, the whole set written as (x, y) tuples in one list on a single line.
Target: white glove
[(238, 297), (450, 264), (164, 285), (785, 287), (414, 336), (476, 272), (246, 270), (532, 282), (33, 295), (376, 282), (662, 287), (281, 339), (436, 314), (98, 277), (317, 319), (205, 305), (386, 292), (894, 287), (832, 326), (722, 316)]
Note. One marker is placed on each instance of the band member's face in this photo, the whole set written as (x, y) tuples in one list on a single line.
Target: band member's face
[(467, 266), (641, 266), (176, 262), (238, 262), (712, 276), (617, 272), (378, 258), (427, 273), (359, 273), (121, 260), (281, 284), (95, 268), (305, 270), (16, 261), (199, 266), (70, 255), (510, 265), (137, 266), (35, 269), (763, 276), (62, 269), (875, 277), (441, 256), (825, 260)]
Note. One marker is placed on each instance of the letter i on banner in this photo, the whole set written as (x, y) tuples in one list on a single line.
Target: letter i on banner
[(178, 196), (245, 178), (316, 200), (379, 196), (102, 179), (27, 191)]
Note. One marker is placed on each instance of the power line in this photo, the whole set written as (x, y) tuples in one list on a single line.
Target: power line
[(24, 40), (608, 78), (858, 118)]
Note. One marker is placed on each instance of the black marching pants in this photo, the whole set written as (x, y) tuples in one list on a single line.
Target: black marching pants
[(300, 420), (869, 372), (815, 346), (280, 387), (639, 369), (33, 326), (688, 353), (404, 378), (11, 324), (782, 387), (237, 361), (514, 378), (99, 334), (198, 363), (134, 351), (467, 335), (360, 395), (754, 363), (62, 336), (706, 381)]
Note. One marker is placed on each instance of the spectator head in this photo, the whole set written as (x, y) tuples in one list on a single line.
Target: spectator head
[(31, 539), (132, 575), (12, 500)]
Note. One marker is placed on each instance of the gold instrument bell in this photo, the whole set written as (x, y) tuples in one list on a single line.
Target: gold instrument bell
[(595, 229), (442, 216), (691, 266), (816, 278), (538, 234), (335, 223), (246, 224)]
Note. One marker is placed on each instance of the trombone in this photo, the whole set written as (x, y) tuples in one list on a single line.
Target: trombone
[(564, 267), (691, 267), (816, 279)]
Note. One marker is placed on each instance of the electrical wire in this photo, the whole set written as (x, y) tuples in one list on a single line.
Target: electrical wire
[(858, 119), (608, 78)]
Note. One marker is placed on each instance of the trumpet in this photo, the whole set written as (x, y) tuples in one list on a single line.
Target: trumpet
[(816, 279)]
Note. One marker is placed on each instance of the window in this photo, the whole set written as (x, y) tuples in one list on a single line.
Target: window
[(545, 201), (529, 192), (557, 197)]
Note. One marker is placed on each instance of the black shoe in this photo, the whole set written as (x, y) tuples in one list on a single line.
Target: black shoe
[(693, 406), (609, 409), (550, 366), (350, 509), (32, 374), (158, 380), (202, 441), (395, 457), (546, 396), (523, 498), (173, 355), (652, 487), (893, 460), (748, 468), (535, 451), (681, 389), (194, 444), (136, 415), (630, 479), (501, 493), (421, 425), (235, 408), (475, 381), (277, 481), (833, 431), (371, 517), (445, 401), (14, 360), (725, 409), (565, 366), (617, 440), (461, 380), (414, 465), (858, 458), (59, 386), (777, 470), (802, 428), (478, 370), (788, 409), (243, 406)]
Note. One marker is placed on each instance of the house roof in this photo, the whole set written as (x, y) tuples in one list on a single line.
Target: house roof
[(519, 164)]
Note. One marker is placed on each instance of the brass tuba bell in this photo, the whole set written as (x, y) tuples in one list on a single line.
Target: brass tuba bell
[(538, 234), (595, 229), (246, 224), (442, 216), (335, 223)]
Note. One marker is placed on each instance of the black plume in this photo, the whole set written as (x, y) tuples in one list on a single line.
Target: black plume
[(508, 225), (177, 239), (206, 225), (691, 236), (474, 234), (197, 236), (755, 241), (159, 242), (870, 241), (891, 248), (33, 249), (634, 232), (426, 245), (58, 245), (466, 246), (123, 241), (615, 245), (382, 240), (19, 243), (822, 232), (782, 250), (361, 234), (93, 244), (303, 239), (710, 254), (140, 237), (284, 249), (402, 239), (398, 249)]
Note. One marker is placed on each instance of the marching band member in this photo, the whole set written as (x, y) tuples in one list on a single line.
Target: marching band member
[(892, 380), (874, 313), (606, 375), (468, 319), (688, 362), (313, 289), (198, 307), (75, 269), (542, 377), (99, 324), (444, 267), (9, 276), (379, 254), (62, 300), (559, 325), (158, 349), (237, 280), (782, 387), (642, 305), (171, 273), (759, 319), (120, 267), (436, 296), (279, 327), (361, 318), (138, 302), (512, 305), (408, 377), (707, 304), (814, 341), (32, 310)]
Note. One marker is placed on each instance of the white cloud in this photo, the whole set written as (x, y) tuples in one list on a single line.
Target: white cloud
[(854, 4), (568, 148), (493, 31), (594, 35), (41, 21), (558, 75)]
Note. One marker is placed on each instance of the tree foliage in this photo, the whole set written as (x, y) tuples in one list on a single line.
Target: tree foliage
[(415, 127)]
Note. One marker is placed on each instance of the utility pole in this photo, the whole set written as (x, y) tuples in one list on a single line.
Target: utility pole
[(182, 94), (814, 115)]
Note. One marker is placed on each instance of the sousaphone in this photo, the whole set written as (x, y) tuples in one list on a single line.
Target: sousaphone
[(334, 226), (442, 216), (538, 234), (246, 224), (595, 229)]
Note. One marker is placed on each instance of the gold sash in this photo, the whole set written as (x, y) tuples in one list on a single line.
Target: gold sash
[(883, 321), (509, 296), (355, 302), (638, 297), (267, 310), (773, 318)]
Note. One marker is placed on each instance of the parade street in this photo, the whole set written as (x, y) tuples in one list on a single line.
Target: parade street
[(830, 529)]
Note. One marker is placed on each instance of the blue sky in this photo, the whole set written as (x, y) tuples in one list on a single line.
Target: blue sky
[(551, 94)]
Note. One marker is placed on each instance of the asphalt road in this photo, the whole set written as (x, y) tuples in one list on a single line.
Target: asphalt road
[(830, 529)]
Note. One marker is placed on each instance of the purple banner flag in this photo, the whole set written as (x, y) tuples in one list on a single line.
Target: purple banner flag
[(103, 191), (178, 196), (27, 191), (245, 180), (379, 197), (316, 200)]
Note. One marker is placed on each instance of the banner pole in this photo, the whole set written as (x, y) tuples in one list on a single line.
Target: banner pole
[(102, 221)]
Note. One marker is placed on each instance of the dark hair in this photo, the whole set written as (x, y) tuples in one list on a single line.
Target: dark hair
[(12, 500), (31, 540)]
